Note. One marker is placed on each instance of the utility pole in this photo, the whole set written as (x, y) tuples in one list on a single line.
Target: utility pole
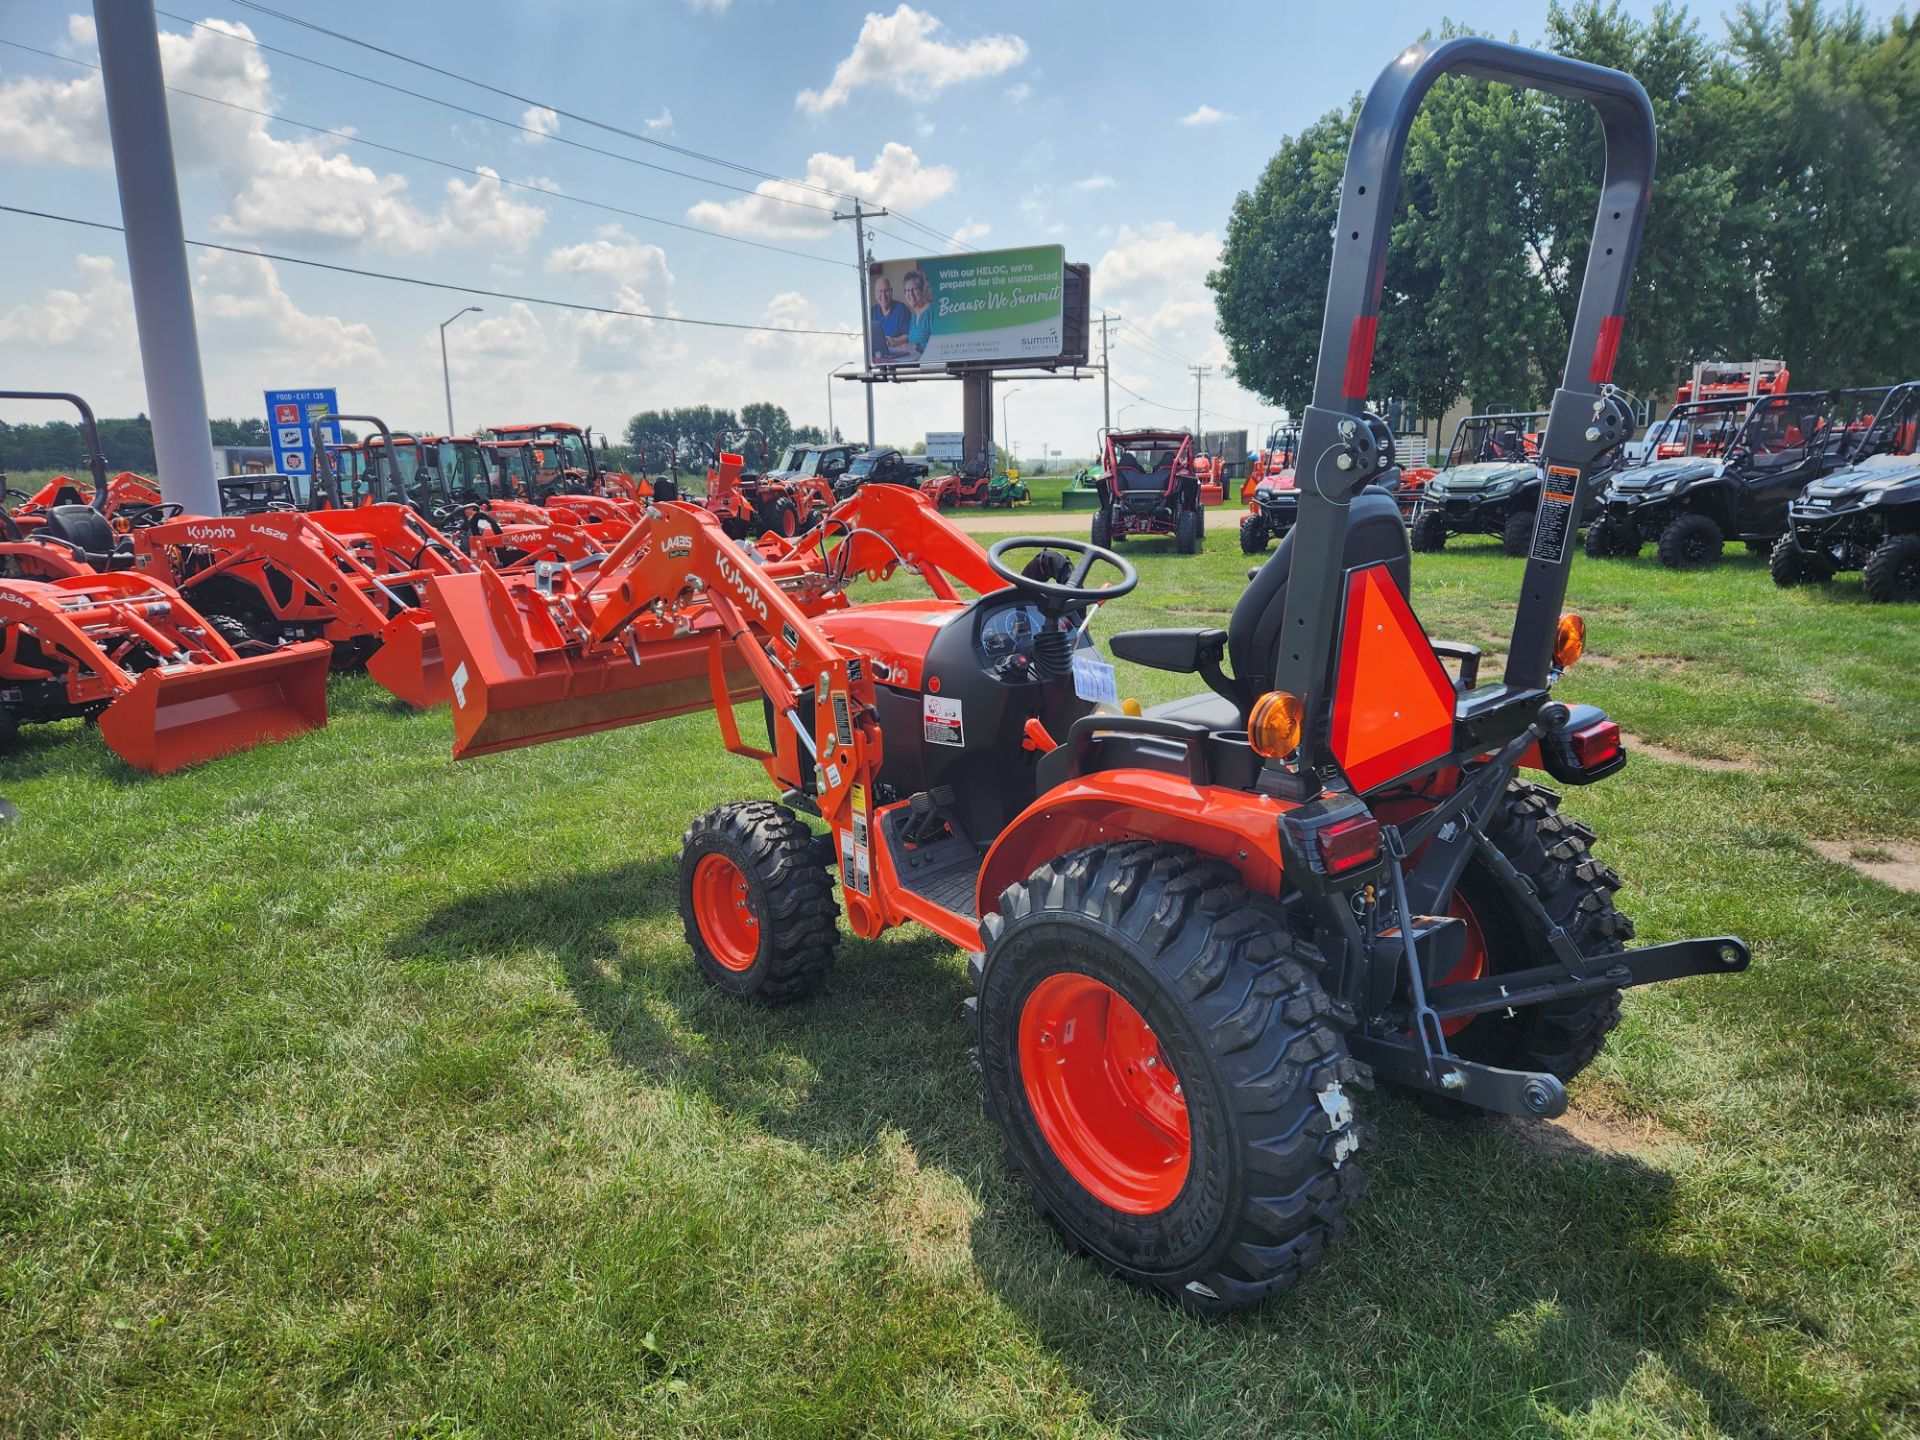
[(862, 266), (446, 375), (129, 36), (1106, 392), (1199, 373)]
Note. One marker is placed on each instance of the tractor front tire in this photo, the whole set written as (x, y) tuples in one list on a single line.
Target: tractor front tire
[(1253, 535), (781, 518), (237, 633), (1516, 536), (1171, 1080), (1552, 853), (1186, 532), (1691, 542), (1790, 565), (1429, 533), (1102, 531), (1892, 573), (757, 902)]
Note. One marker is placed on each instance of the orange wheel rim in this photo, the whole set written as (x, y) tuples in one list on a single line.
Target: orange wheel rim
[(723, 908), (1106, 1100), (1473, 960)]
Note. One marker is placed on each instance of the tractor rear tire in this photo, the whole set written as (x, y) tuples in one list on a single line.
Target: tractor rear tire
[(1196, 1135), (1516, 536), (1790, 565), (1253, 535), (9, 731), (1429, 533), (1691, 542), (781, 518), (1577, 890), (1186, 532), (1892, 573), (757, 902), (1102, 531)]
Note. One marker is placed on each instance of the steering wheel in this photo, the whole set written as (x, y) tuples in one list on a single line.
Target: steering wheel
[(1058, 596), (139, 517)]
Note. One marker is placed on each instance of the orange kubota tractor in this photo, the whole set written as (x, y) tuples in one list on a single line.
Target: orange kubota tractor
[(164, 682), (1198, 933), (352, 575)]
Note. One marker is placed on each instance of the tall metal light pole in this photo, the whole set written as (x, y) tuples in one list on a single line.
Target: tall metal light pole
[(830, 374), (1006, 425), (129, 38), (446, 374), (1199, 373)]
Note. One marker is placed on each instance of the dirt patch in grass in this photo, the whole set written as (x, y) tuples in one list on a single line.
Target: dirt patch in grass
[(1639, 744), (1581, 1133), (1891, 862)]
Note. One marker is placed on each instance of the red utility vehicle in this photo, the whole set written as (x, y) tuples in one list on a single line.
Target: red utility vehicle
[(1150, 486)]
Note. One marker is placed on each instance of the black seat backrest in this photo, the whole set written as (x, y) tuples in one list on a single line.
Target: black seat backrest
[(1375, 533), (83, 526)]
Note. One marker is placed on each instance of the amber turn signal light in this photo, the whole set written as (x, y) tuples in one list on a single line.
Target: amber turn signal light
[(1570, 641), (1273, 729)]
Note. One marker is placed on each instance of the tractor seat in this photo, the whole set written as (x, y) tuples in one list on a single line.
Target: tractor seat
[(85, 530), (1251, 642)]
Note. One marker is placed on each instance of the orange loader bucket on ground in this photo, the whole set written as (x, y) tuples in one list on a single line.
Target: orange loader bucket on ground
[(173, 718), (409, 662)]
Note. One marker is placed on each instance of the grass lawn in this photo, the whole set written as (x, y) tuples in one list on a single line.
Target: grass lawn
[(350, 1091)]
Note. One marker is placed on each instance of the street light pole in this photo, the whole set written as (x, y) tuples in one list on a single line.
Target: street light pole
[(446, 374), (1006, 425), (830, 374)]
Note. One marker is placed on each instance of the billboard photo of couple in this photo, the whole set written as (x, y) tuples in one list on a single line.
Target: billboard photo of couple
[(994, 305)]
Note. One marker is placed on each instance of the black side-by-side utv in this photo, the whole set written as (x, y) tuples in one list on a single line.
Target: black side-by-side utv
[(1864, 517)]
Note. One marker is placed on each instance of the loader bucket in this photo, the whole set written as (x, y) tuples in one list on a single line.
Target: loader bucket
[(508, 690), (174, 718), (409, 662)]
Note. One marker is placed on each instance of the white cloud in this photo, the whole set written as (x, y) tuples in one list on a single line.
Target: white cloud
[(612, 255), (98, 315), (1093, 182), (712, 7), (308, 189), (242, 294), (1205, 115), (661, 124), (901, 52), (969, 232), (1019, 92), (541, 121), (896, 178)]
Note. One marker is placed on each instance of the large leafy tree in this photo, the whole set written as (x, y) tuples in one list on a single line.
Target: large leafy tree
[(771, 421)]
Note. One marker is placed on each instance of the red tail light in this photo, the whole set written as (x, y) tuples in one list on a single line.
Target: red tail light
[(1348, 844), (1596, 745)]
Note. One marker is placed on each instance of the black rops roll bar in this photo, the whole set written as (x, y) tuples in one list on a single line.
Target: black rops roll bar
[(1343, 448), (323, 462), (89, 430)]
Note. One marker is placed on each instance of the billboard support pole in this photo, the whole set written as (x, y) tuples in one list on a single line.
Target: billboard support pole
[(129, 37), (859, 217)]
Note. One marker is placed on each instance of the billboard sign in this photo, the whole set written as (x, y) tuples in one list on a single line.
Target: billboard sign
[(290, 417), (980, 308)]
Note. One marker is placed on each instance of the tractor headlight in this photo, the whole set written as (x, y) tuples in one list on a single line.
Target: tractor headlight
[(1265, 492)]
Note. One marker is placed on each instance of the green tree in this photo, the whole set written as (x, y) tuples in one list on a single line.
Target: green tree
[(770, 420)]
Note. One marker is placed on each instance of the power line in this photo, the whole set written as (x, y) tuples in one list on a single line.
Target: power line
[(579, 118), (492, 119), (446, 285), (1162, 405), (1157, 345), (352, 139)]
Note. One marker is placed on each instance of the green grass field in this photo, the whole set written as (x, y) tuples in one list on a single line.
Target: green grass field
[(349, 1091)]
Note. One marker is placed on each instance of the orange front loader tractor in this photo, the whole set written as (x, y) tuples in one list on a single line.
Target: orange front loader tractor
[(1198, 933)]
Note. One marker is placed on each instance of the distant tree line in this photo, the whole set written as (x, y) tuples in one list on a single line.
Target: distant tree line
[(1785, 218), (683, 434), (127, 444)]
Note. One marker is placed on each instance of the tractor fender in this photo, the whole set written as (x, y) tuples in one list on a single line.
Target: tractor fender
[(1236, 826)]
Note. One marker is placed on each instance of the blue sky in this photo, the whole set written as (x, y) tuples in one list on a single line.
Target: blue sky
[(1120, 131)]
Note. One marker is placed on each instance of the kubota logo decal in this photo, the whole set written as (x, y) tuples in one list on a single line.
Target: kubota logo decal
[(735, 577), (212, 532)]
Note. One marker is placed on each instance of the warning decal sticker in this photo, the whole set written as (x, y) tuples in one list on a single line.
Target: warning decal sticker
[(943, 719), (1553, 526)]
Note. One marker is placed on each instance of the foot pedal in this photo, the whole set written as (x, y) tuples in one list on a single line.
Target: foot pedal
[(926, 820)]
